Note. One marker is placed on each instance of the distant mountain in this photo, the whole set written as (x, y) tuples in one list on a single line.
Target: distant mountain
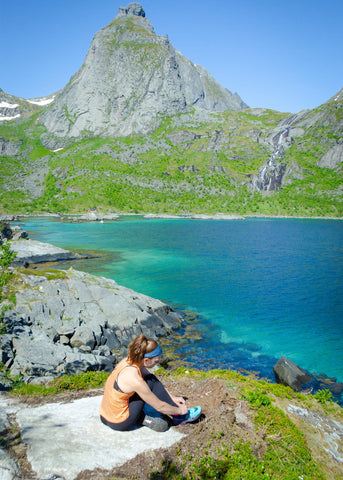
[(12, 107), (131, 79), (139, 128)]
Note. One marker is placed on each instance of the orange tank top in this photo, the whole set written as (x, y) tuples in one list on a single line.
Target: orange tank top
[(115, 405)]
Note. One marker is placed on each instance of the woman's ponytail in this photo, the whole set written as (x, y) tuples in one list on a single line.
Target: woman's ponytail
[(139, 347)]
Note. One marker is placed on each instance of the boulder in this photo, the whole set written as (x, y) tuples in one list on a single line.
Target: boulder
[(289, 374), (5, 385), (18, 233), (36, 354), (83, 336)]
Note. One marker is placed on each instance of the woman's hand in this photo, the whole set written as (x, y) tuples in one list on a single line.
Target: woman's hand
[(183, 409), (179, 401)]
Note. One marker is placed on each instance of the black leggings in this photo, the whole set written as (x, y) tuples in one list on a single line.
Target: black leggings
[(136, 405)]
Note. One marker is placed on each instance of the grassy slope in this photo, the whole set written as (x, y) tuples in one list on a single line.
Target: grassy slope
[(160, 173), (274, 445)]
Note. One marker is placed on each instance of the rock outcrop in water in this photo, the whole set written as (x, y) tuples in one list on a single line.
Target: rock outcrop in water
[(289, 374), (130, 79)]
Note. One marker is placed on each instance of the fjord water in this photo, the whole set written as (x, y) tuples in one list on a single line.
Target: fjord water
[(262, 288)]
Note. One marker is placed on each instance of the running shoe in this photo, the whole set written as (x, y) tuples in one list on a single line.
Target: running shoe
[(155, 423), (192, 415)]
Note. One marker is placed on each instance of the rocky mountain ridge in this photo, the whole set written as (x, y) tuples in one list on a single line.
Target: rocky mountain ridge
[(131, 77)]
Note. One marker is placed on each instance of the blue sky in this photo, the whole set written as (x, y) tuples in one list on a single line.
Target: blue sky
[(281, 55)]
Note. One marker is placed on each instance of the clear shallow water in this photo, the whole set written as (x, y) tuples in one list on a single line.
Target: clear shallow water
[(263, 288)]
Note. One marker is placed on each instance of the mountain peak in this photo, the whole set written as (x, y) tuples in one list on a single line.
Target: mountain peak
[(131, 10), (131, 78)]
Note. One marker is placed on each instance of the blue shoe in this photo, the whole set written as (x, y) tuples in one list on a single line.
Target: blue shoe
[(192, 415)]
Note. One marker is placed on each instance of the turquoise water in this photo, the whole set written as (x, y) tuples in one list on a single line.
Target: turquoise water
[(262, 288)]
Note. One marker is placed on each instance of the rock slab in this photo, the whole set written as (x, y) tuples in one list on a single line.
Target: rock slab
[(33, 251), (64, 439)]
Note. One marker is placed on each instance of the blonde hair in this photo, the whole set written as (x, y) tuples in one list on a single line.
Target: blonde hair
[(139, 347)]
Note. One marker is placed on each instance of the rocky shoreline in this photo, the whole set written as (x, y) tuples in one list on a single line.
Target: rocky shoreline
[(67, 321), (73, 322), (101, 217)]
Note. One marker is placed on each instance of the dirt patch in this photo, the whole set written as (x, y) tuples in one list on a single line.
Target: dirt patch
[(65, 397)]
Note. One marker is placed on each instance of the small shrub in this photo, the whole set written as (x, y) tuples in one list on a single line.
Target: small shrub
[(323, 396), (6, 258), (257, 398)]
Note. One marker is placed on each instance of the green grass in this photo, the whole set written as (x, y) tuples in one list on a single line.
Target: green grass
[(66, 383), (49, 273), (286, 456), (141, 173)]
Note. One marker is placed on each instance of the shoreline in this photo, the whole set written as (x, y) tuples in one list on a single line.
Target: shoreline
[(102, 217)]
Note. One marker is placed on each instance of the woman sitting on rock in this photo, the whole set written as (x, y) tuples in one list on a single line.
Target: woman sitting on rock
[(134, 396)]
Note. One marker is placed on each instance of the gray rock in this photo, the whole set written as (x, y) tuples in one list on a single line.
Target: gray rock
[(129, 80), (103, 350), (83, 336), (133, 9), (4, 423), (52, 333), (331, 430), (18, 233), (84, 349), (8, 218), (5, 233), (6, 352), (36, 355), (66, 329), (61, 444), (76, 323), (109, 339), (96, 217), (39, 380), (289, 374), (64, 340), (333, 158), (5, 385), (32, 251), (8, 468), (83, 362)]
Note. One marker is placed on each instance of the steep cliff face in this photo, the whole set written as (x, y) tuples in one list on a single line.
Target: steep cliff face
[(317, 130), (130, 78)]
